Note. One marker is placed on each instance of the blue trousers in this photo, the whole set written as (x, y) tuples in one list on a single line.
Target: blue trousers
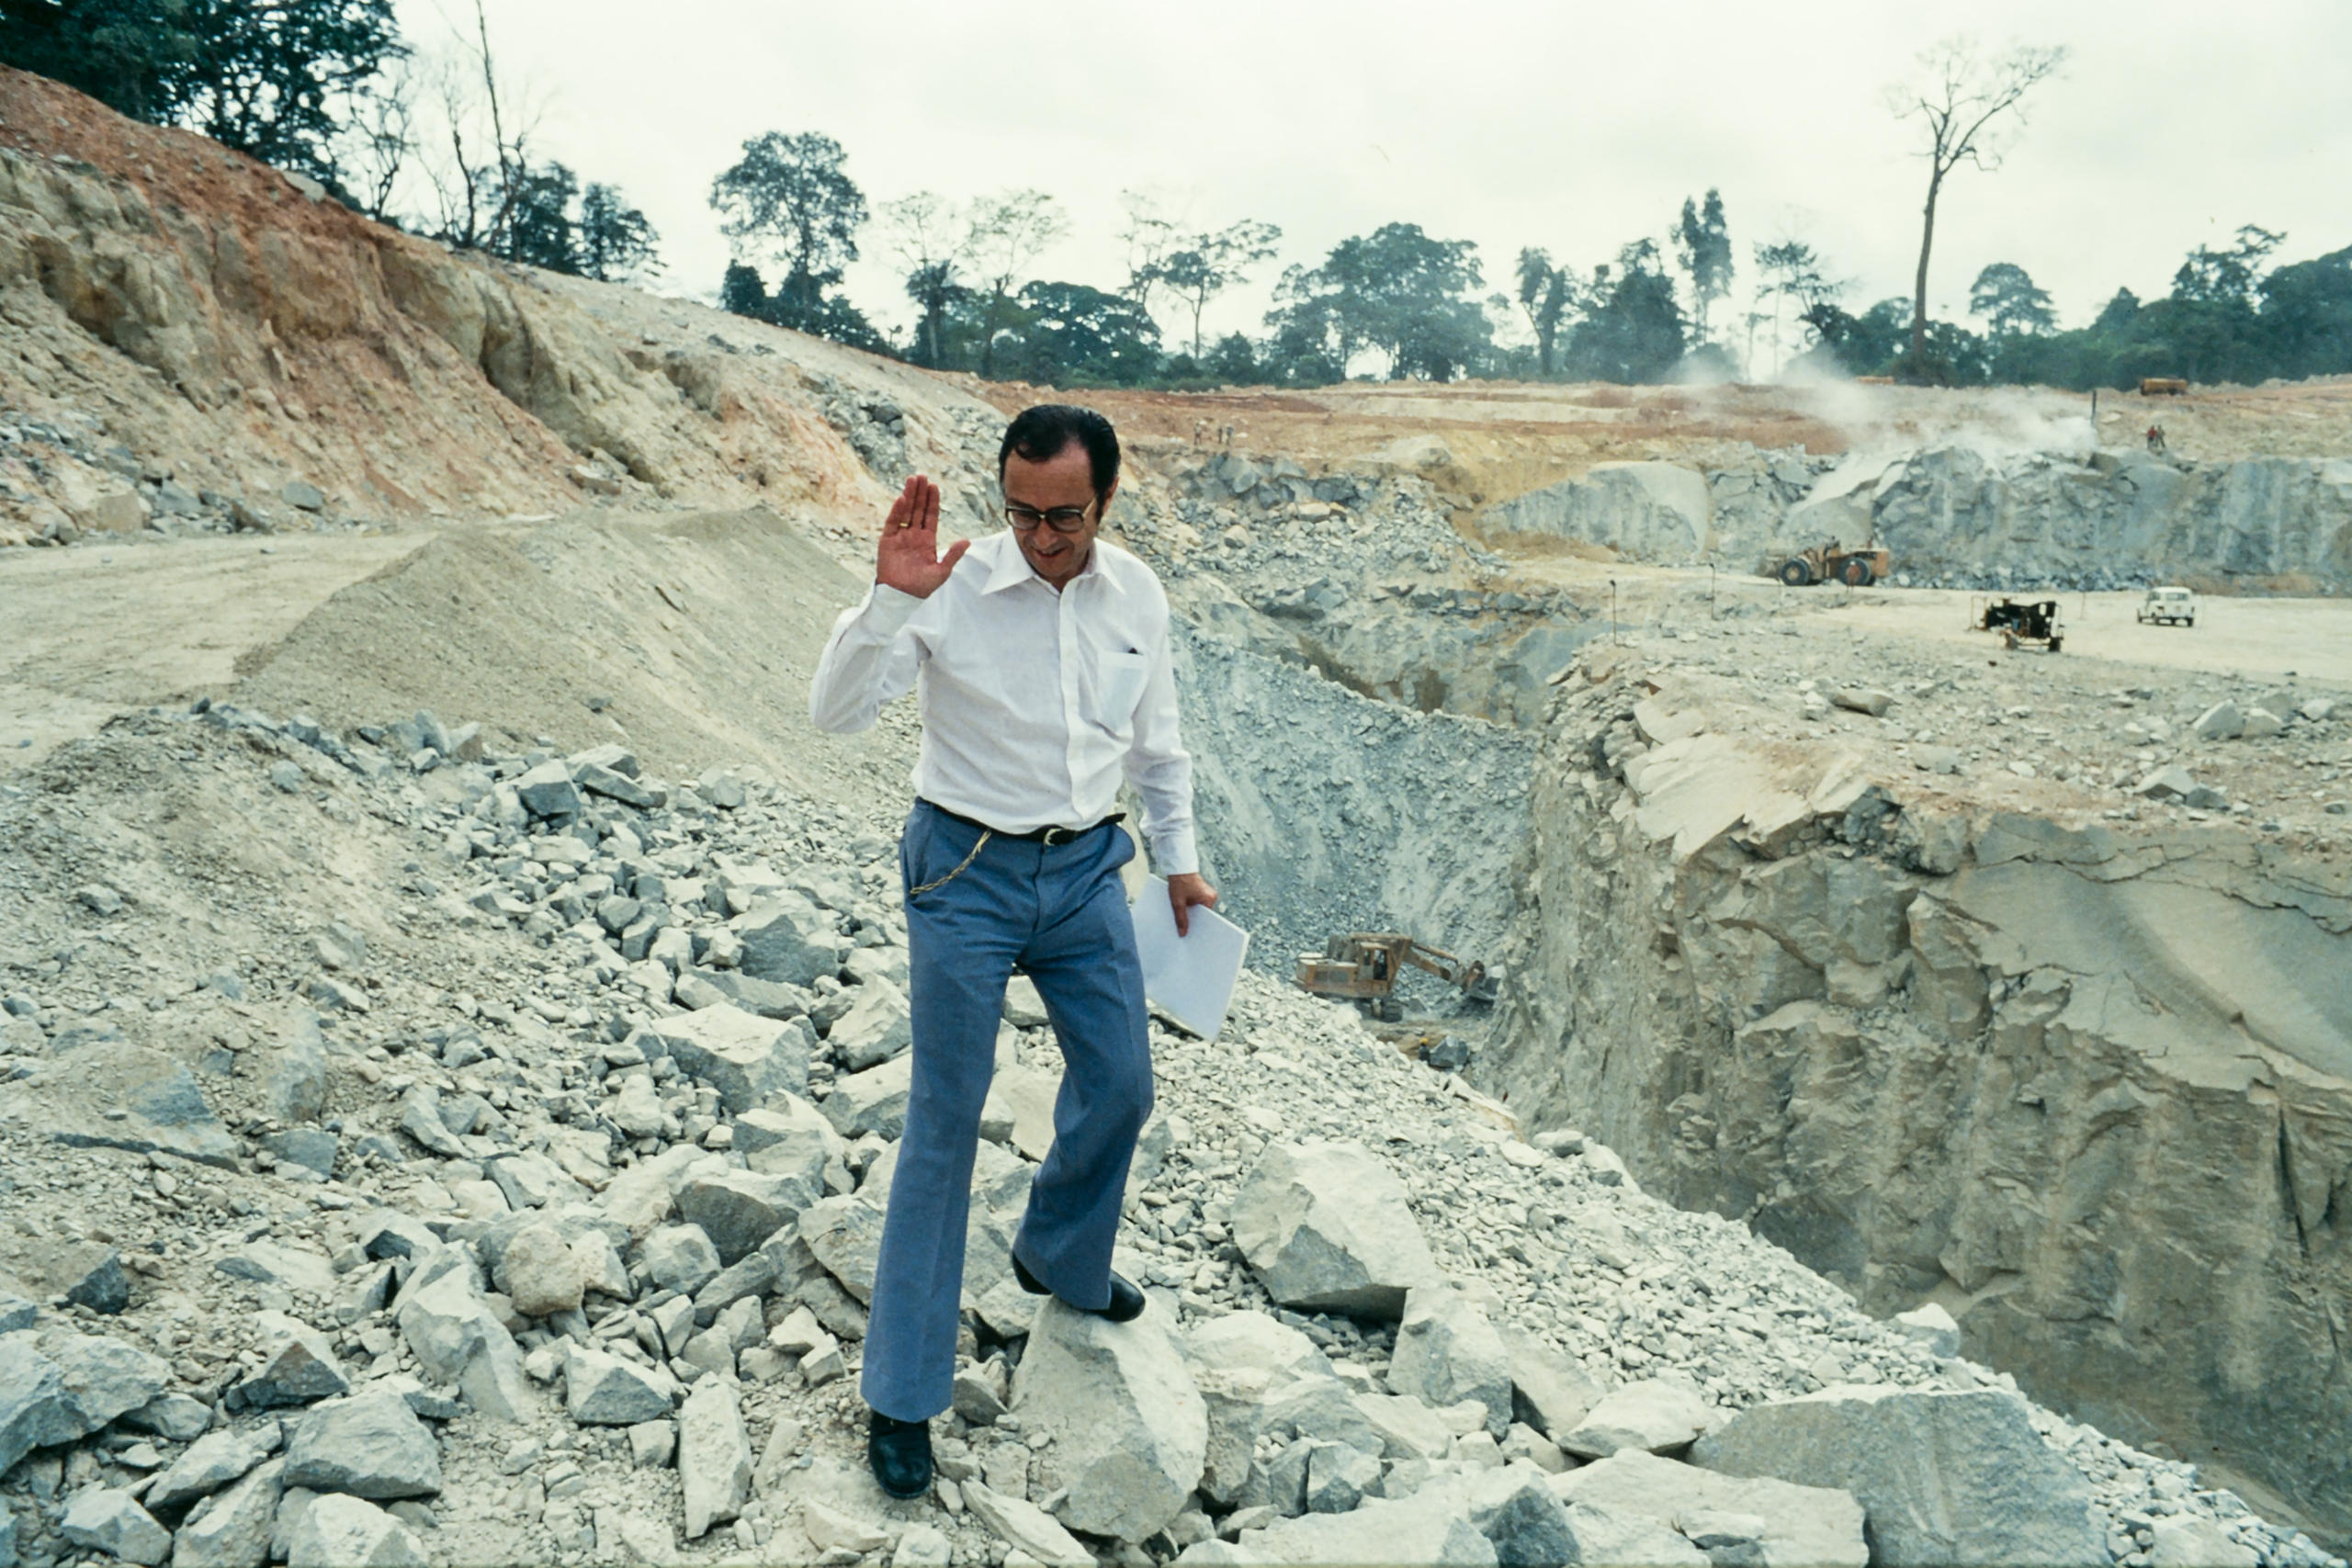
[(1060, 915)]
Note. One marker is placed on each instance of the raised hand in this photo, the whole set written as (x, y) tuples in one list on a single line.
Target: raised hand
[(909, 557)]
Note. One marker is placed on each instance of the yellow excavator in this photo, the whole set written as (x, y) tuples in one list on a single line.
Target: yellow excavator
[(1363, 966)]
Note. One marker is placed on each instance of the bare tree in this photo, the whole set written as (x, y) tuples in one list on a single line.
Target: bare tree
[(381, 137), (1958, 93), (927, 237), (477, 161), (1150, 235), (1004, 234)]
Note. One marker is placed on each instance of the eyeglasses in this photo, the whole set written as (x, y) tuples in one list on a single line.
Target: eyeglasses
[(1061, 519)]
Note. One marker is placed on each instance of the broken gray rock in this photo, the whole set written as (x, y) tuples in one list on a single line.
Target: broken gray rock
[(299, 1368), (1801, 1525), (211, 1462), (845, 1235), (233, 1529), (57, 1385), (113, 1522), (1130, 1428), (872, 1101), (1428, 1527), (1327, 1228), (457, 1339), (1550, 1392), (1026, 1528), (742, 1056), (368, 1444), (714, 1455), (336, 1531), (1448, 1350), (878, 1026), (737, 1210), (681, 1259), (540, 1271), (547, 790), (1651, 1416), (1945, 1476), (602, 1390), (786, 938)]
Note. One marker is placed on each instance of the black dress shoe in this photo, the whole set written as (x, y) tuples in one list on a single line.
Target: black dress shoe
[(899, 1452), (1127, 1298)]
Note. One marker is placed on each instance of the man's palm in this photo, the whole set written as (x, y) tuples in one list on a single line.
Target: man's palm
[(909, 558)]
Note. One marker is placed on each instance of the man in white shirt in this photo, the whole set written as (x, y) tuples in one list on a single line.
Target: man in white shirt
[(1040, 659)]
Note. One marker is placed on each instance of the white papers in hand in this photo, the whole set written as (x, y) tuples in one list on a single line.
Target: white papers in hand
[(1191, 977)]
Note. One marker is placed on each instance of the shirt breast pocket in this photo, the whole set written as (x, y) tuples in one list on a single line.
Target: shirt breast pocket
[(1118, 686)]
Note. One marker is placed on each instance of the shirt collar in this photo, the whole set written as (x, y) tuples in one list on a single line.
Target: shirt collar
[(1010, 568)]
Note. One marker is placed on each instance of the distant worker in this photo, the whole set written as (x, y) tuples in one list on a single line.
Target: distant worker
[(1040, 661), (2156, 438)]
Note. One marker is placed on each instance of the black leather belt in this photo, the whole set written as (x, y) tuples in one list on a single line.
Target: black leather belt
[(1049, 837)]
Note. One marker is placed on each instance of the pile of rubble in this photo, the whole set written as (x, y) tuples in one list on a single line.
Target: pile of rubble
[(563, 1254)]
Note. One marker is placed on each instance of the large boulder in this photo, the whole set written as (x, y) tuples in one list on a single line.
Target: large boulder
[(1651, 1416), (1803, 1527), (211, 1462), (1448, 1350), (742, 1056), (1430, 1528), (1327, 1229), (112, 1521), (299, 1366), (1128, 1425), (1956, 1476), (540, 1271), (790, 1138), (370, 1445)]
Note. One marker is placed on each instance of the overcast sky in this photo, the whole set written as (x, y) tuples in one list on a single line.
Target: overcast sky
[(1572, 127)]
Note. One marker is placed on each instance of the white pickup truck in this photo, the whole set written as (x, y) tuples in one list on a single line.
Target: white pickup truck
[(2169, 606)]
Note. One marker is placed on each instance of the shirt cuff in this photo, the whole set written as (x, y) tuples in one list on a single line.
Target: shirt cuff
[(887, 609), (1173, 855)]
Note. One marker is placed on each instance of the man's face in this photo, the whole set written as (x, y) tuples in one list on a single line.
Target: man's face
[(1066, 479)]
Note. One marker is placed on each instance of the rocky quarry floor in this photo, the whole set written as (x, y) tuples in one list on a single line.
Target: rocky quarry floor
[(464, 1142), (483, 1164)]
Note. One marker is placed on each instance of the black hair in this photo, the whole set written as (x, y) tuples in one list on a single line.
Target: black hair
[(1043, 433)]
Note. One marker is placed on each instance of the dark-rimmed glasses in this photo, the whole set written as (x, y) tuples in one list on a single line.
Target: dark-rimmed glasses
[(1060, 519)]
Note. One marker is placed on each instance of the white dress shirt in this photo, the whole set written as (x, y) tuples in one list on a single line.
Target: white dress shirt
[(1032, 702)]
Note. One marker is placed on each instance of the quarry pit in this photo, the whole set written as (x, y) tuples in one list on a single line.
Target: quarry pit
[(1819, 914)]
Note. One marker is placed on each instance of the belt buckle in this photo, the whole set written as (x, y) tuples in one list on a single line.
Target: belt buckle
[(1053, 836)]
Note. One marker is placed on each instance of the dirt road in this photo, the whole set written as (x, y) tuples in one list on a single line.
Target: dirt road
[(94, 631)]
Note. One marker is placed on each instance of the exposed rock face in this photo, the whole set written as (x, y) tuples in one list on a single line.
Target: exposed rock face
[(1943, 1477), (1955, 511), (1939, 1054), (1657, 512)]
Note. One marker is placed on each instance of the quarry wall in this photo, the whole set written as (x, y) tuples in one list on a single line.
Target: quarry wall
[(2091, 1091), (1954, 515)]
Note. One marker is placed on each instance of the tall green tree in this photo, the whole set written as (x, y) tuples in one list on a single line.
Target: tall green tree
[(789, 199), (1004, 234), (1955, 95), (1545, 294), (616, 242), (1396, 291), (1633, 327), (1702, 246), (1074, 335), (542, 231), (1203, 265), (271, 78), (2006, 296)]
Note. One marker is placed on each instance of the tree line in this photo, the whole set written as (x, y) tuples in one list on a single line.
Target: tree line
[(447, 148)]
